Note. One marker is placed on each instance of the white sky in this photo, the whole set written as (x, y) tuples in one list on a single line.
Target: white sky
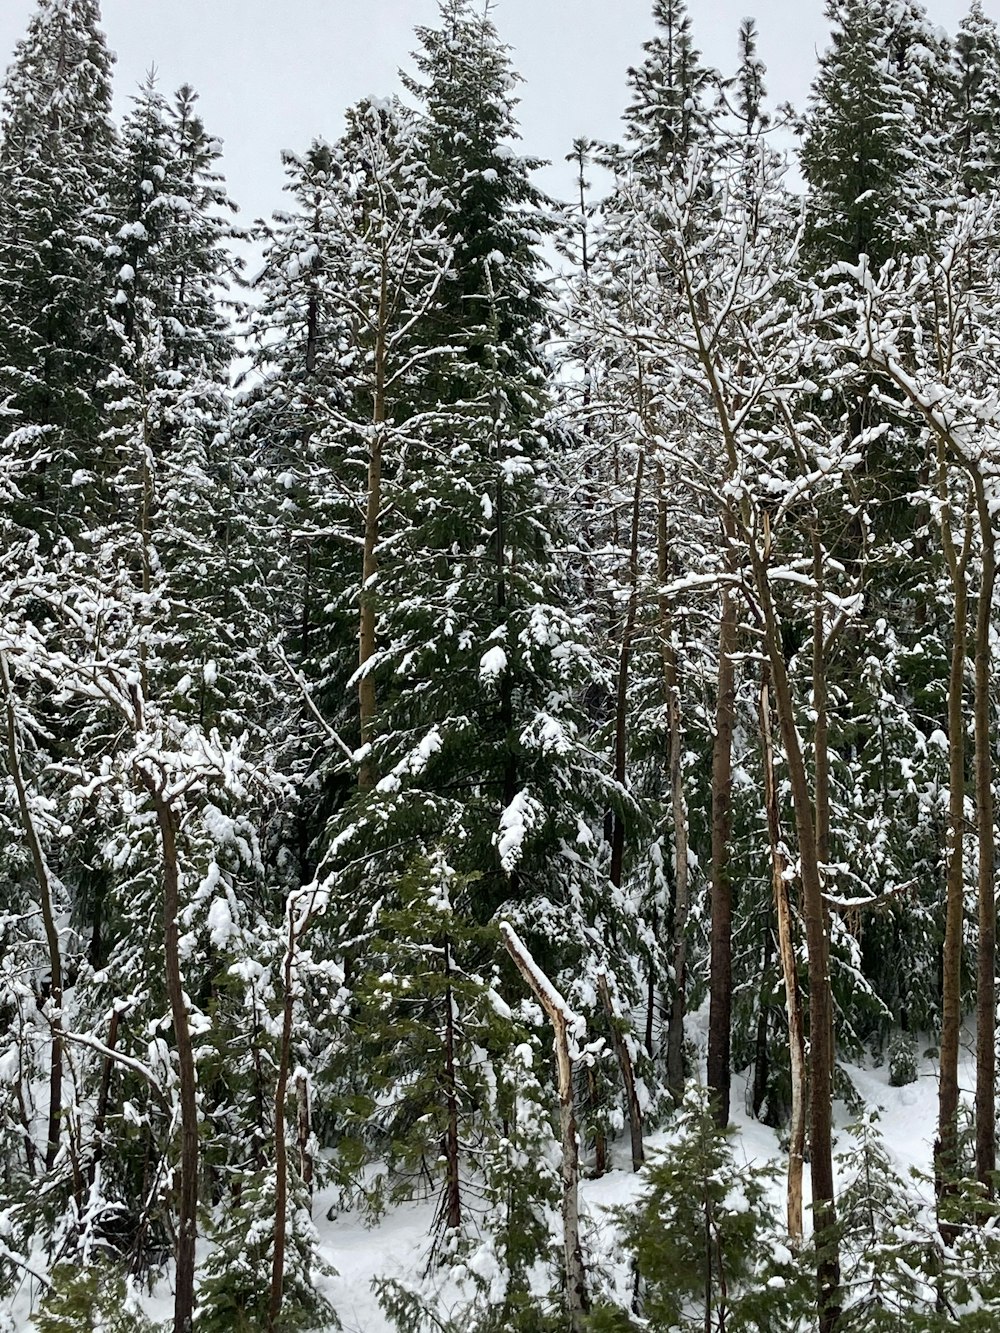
[(274, 74)]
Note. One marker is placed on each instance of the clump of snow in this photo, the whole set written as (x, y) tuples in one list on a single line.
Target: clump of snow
[(492, 664)]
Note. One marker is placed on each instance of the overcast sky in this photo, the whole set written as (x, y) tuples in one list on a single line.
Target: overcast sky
[(274, 74)]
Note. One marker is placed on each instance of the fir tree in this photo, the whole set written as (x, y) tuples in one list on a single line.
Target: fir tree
[(57, 152)]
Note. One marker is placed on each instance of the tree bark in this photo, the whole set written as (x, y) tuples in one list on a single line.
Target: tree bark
[(453, 1183), (627, 1071), (721, 946), (303, 1125), (53, 1005), (561, 1018), (624, 660), (818, 955), (946, 1147), (187, 1198), (280, 1144), (367, 632), (678, 813), (986, 1000), (786, 949)]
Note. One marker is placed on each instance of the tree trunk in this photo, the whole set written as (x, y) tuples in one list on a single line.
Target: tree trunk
[(369, 563), (986, 1002), (187, 1204), (946, 1147), (53, 1005), (280, 1143), (721, 946), (678, 812), (627, 1072), (624, 659), (303, 1124), (786, 949), (561, 1018), (453, 1184), (818, 956)]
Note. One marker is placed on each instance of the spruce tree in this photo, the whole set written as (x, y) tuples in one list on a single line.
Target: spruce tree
[(57, 161)]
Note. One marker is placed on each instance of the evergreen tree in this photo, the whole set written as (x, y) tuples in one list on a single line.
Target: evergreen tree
[(874, 145), (977, 99), (57, 162)]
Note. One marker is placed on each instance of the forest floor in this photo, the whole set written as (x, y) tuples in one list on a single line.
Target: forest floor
[(397, 1246)]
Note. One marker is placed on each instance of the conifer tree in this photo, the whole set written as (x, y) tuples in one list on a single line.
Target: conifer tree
[(57, 149)]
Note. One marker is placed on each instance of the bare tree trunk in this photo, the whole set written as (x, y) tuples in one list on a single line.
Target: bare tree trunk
[(678, 811), (786, 949), (818, 955), (561, 1018), (303, 1124), (627, 1072), (369, 563), (624, 660), (721, 940), (946, 1147), (53, 1005), (986, 1000), (187, 1202), (453, 1184), (280, 1143)]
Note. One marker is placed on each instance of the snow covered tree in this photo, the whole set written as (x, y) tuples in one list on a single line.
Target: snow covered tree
[(57, 160)]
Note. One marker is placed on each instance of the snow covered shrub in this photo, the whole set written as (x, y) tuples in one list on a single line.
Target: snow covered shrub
[(234, 1292), (705, 1242), (92, 1297), (902, 1061)]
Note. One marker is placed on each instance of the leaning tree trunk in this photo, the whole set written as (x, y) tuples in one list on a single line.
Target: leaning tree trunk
[(562, 1019)]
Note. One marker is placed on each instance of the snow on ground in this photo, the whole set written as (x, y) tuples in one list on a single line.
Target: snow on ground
[(397, 1246)]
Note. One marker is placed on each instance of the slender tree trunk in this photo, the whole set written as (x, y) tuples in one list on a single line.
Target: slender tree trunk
[(280, 1142), (303, 1123), (560, 1016), (624, 661), (104, 1097), (678, 812), (786, 949), (187, 1201), (369, 564), (721, 940), (946, 1147), (53, 1005), (453, 1183), (761, 1062), (627, 1071), (986, 999), (818, 955)]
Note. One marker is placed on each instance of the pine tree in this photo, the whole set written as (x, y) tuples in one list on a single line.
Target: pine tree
[(57, 152), (977, 98), (871, 157)]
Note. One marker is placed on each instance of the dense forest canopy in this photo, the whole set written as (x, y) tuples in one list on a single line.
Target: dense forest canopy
[(505, 680)]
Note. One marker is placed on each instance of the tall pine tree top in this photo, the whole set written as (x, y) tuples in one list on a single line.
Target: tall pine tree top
[(56, 164), (494, 296), (977, 93), (668, 116), (57, 93), (875, 137)]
